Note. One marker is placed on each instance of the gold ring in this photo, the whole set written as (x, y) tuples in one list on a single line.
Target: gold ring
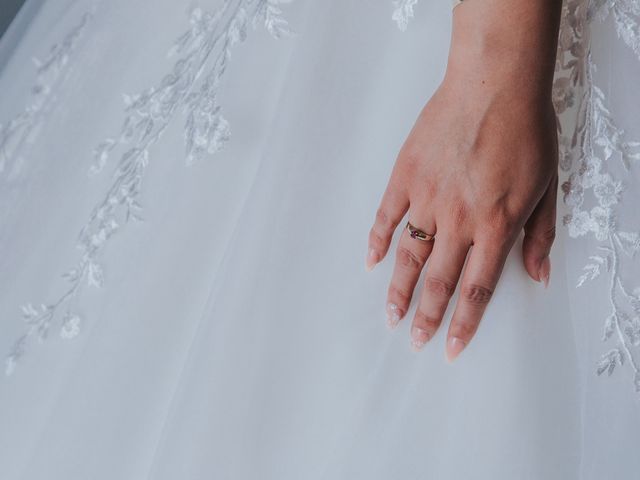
[(419, 234)]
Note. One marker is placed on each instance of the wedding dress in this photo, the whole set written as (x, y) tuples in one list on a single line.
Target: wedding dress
[(204, 177)]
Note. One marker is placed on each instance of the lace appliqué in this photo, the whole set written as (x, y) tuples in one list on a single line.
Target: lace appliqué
[(51, 71), (403, 12), (589, 141), (202, 55)]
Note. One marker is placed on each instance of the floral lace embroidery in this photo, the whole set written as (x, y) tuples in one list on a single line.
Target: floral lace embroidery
[(202, 56), (403, 12), (51, 71), (626, 16), (590, 140)]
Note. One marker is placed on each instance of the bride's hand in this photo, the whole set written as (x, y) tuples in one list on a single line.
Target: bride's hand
[(479, 166)]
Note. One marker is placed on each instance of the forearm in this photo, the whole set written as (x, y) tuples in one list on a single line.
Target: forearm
[(505, 44)]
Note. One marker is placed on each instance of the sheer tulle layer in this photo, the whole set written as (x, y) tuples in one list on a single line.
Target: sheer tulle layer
[(237, 334)]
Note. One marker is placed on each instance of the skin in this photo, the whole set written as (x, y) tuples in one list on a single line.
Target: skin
[(479, 166)]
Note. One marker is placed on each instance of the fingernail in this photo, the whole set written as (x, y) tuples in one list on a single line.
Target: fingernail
[(454, 347), (371, 260), (393, 315), (545, 271), (419, 338)]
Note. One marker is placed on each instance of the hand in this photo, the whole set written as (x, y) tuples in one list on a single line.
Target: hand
[(479, 165)]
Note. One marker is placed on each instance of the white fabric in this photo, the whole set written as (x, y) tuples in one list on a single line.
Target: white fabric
[(237, 335)]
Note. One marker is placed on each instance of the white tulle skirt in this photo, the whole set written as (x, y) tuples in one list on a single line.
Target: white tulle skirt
[(235, 333)]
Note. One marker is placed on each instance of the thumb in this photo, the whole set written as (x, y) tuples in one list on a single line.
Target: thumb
[(539, 233)]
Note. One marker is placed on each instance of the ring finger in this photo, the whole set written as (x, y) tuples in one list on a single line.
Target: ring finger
[(411, 255)]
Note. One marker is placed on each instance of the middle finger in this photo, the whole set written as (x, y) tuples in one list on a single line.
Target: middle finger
[(441, 278)]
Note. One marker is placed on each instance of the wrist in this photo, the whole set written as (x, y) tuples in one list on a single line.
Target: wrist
[(505, 46)]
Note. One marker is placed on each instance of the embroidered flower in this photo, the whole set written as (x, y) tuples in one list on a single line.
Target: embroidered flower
[(573, 191), (591, 139), (608, 190), (590, 171), (70, 326), (579, 223), (191, 86), (602, 223)]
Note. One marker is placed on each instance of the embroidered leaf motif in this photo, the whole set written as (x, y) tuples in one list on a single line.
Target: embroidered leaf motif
[(95, 275), (632, 330), (591, 270), (51, 71), (201, 56), (271, 16), (629, 242), (609, 361), (588, 149), (609, 327)]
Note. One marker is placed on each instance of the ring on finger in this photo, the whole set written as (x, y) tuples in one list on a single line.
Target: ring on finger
[(418, 234)]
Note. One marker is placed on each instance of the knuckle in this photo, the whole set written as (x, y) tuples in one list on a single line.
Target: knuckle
[(458, 212), (477, 294), (544, 237), (501, 221), (429, 188), (500, 233), (426, 322), (398, 295), (502, 226), (550, 234), (439, 287), (376, 240), (547, 235), (463, 330), (384, 220), (381, 216), (409, 259)]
